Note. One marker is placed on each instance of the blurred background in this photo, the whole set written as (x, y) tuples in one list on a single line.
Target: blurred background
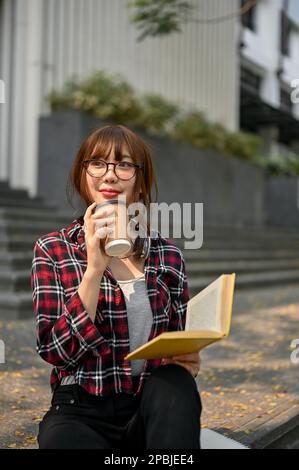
[(212, 86)]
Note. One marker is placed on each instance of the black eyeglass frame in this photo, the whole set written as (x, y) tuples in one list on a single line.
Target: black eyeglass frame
[(86, 162)]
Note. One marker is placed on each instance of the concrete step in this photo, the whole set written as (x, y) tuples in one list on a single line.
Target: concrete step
[(242, 244), (207, 262), (209, 267), (17, 260), (17, 243), (42, 223), (249, 280), (15, 280), (4, 184), (38, 227), (58, 218), (19, 305), (209, 231), (16, 306), (25, 242), (37, 203), (8, 193), (13, 227), (19, 280), (226, 255)]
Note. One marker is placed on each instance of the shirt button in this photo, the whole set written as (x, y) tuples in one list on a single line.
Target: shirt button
[(72, 401), (57, 407)]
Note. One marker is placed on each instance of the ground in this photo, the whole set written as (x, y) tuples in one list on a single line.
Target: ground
[(248, 384)]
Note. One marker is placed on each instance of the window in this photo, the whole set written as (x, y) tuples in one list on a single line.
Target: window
[(285, 99), (286, 27), (249, 19), (250, 80)]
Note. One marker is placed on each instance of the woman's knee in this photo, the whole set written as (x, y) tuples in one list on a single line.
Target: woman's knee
[(171, 379), (173, 374), (58, 434)]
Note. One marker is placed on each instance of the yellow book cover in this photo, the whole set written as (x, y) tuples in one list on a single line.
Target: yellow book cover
[(208, 319)]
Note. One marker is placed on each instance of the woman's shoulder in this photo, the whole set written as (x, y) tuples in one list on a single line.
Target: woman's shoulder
[(63, 236), (169, 250)]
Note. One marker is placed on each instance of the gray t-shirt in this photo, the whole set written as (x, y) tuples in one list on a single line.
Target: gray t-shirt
[(140, 317)]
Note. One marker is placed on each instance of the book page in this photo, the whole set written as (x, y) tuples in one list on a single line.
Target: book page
[(227, 303), (203, 310)]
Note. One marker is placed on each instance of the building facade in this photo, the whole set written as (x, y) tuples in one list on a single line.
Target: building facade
[(269, 60), (45, 42), (239, 73)]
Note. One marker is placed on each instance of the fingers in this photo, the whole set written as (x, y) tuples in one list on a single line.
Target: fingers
[(103, 212), (90, 209), (87, 215), (109, 221), (94, 222), (192, 357), (103, 232), (190, 367)]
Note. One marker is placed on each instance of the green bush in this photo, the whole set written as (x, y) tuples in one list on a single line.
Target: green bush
[(110, 97), (157, 114), (100, 95), (196, 130), (279, 165), (242, 144)]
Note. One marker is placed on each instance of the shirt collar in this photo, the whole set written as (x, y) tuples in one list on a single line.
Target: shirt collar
[(76, 234)]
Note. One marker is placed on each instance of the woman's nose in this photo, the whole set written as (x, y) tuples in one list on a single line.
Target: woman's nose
[(110, 174)]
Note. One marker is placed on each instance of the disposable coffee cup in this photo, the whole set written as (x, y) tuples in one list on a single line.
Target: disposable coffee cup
[(117, 244)]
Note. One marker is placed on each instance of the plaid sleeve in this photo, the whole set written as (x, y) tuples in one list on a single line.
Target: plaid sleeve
[(179, 307), (64, 329)]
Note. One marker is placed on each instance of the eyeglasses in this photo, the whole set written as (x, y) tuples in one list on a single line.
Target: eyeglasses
[(123, 170)]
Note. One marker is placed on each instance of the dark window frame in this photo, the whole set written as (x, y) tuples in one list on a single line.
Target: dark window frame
[(285, 98), (286, 29), (251, 80), (249, 19)]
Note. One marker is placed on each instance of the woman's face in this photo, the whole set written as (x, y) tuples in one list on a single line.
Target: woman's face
[(110, 181)]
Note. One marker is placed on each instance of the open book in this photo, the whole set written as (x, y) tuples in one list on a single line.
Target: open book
[(208, 319)]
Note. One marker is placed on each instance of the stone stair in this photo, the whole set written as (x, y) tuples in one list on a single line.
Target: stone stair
[(259, 256), (22, 221)]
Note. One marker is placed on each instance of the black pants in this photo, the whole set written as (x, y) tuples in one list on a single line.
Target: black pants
[(165, 416)]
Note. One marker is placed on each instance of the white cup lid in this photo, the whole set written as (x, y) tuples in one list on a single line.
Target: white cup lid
[(118, 247)]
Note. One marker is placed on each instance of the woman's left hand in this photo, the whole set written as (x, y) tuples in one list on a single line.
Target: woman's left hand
[(191, 362)]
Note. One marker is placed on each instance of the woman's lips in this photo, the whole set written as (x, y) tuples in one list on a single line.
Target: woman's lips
[(110, 193)]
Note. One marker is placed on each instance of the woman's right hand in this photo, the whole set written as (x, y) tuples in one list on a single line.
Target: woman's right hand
[(95, 234)]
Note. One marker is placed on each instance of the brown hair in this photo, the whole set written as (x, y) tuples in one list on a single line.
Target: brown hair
[(101, 141)]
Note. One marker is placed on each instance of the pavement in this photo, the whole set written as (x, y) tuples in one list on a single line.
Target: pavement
[(248, 384)]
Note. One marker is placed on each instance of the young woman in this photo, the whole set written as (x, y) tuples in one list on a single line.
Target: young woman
[(91, 310)]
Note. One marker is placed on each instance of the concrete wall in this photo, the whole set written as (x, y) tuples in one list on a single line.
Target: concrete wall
[(44, 43), (282, 201), (231, 190)]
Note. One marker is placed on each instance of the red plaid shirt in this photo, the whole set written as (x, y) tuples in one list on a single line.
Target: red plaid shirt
[(94, 351)]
